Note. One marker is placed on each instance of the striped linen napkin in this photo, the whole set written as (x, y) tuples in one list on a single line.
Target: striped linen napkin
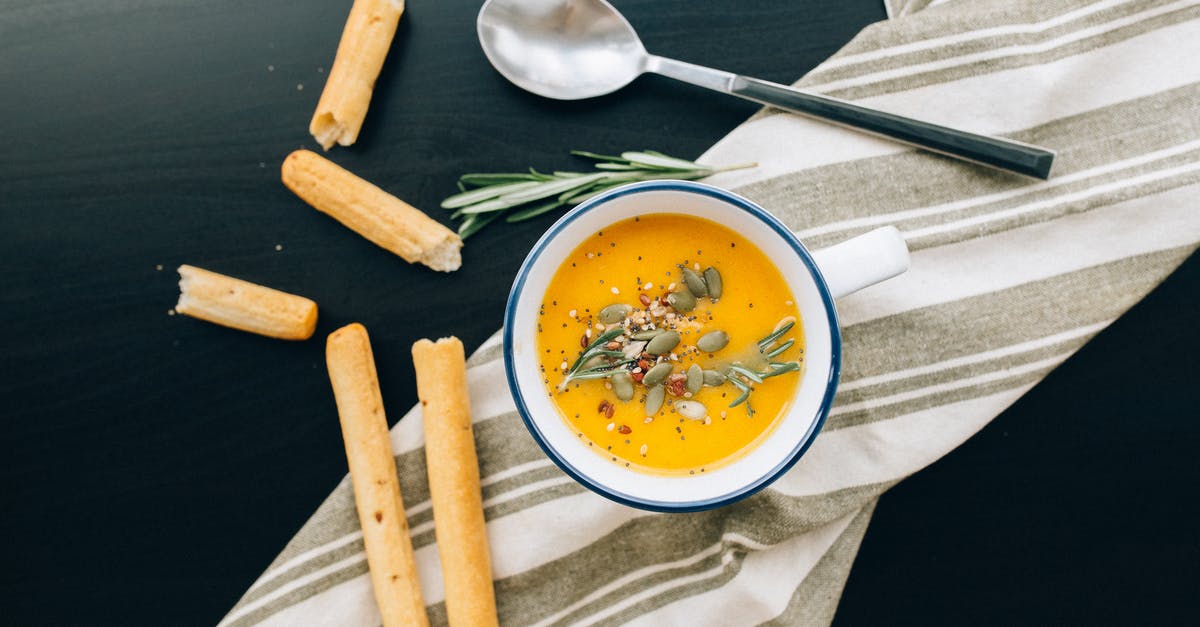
[(1009, 277)]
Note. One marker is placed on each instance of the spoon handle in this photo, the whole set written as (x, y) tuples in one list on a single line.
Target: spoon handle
[(997, 152)]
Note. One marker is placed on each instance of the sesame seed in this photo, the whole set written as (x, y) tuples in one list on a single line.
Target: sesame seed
[(572, 313), (158, 267), (611, 426), (615, 290), (648, 286), (643, 450)]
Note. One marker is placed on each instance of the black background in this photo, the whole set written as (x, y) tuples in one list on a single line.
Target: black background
[(154, 465)]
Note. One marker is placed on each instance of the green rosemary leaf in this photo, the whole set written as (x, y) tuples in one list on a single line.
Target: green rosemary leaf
[(485, 193), (741, 399), (606, 337), (595, 156), (746, 372), (575, 200), (767, 341), (537, 192), (789, 367), (659, 161), (472, 224), (617, 166), (494, 178), (533, 211), (780, 349)]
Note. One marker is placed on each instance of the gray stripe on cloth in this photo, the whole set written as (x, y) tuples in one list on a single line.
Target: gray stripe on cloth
[(811, 200), (988, 39), (970, 69), (356, 569), (816, 599), (946, 331), (766, 518)]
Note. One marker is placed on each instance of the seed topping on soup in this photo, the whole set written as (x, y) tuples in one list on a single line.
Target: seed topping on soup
[(667, 359)]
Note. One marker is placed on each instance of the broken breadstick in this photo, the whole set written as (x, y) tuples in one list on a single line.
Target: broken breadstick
[(373, 475), (360, 54), (454, 482), (243, 305), (371, 212)]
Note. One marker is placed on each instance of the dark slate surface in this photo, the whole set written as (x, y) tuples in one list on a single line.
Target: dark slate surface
[(155, 464)]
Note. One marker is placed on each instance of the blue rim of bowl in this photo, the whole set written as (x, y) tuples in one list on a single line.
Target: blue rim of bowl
[(754, 210)]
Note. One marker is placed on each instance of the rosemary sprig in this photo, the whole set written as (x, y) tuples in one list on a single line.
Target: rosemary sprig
[(519, 196), (743, 378), (610, 361)]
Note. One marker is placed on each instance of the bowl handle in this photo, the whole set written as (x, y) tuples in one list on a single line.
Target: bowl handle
[(863, 261)]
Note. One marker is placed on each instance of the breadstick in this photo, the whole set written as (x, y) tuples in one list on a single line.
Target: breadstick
[(360, 54), (243, 305), (454, 482), (373, 474), (371, 212)]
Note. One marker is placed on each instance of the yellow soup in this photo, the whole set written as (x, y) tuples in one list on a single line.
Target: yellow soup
[(608, 324)]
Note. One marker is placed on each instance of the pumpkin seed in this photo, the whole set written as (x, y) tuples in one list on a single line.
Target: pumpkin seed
[(712, 279), (663, 343), (692, 410), (657, 374), (654, 399), (695, 379), (614, 313), (713, 378), (648, 334), (622, 384), (694, 282), (712, 341), (633, 349), (682, 300)]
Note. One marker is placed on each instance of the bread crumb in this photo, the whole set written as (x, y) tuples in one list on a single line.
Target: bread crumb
[(170, 312), (270, 68), (299, 86), (158, 267), (278, 247)]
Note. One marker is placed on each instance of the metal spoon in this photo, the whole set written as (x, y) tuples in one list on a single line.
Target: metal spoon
[(572, 49)]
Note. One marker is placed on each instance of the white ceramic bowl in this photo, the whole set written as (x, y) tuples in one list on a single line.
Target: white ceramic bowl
[(796, 428)]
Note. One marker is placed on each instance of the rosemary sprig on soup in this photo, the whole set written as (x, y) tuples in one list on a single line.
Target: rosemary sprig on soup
[(669, 343)]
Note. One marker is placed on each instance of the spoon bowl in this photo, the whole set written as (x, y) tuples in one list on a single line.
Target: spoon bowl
[(566, 50), (573, 49)]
